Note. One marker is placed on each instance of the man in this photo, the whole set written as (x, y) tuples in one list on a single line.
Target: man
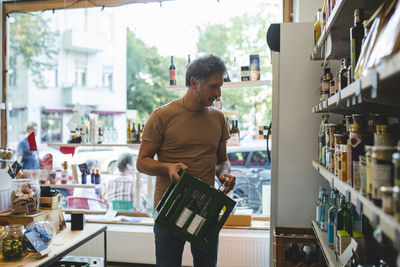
[(191, 135), (29, 159)]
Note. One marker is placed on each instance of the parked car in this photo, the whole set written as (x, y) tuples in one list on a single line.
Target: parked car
[(252, 168)]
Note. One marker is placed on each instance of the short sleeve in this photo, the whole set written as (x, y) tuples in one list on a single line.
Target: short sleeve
[(154, 129), (225, 130)]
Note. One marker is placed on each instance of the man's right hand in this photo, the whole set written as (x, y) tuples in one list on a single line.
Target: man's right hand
[(173, 169)]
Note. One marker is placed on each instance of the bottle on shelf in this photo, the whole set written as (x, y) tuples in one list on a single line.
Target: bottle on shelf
[(332, 217), (226, 75), (356, 37), (188, 61), (97, 177), (83, 177), (218, 103), (100, 137), (317, 26), (133, 134), (64, 173), (172, 72), (322, 140), (92, 177), (139, 134), (355, 148), (324, 212), (128, 133), (344, 64), (235, 72), (322, 191)]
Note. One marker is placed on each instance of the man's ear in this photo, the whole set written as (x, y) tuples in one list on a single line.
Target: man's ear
[(193, 82)]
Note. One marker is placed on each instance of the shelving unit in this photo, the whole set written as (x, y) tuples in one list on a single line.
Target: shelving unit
[(228, 85), (375, 214), (378, 90), (95, 145), (335, 37), (73, 185), (322, 237)]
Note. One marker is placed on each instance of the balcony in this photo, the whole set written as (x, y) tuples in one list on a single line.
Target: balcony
[(99, 97), (83, 41)]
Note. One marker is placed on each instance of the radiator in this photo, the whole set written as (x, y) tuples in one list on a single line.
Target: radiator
[(135, 244)]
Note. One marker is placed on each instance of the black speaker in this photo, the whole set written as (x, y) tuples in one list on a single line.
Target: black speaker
[(77, 221), (274, 37)]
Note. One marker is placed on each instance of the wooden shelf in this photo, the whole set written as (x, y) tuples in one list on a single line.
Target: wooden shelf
[(95, 145), (322, 238), (365, 94), (228, 85), (375, 214), (72, 185), (334, 42)]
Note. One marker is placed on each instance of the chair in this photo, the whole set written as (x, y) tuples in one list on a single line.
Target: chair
[(84, 203), (122, 205)]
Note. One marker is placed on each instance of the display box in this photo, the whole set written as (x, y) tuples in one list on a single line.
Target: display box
[(193, 210), (50, 202)]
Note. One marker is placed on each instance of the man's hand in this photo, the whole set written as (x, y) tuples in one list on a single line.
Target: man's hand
[(231, 182), (173, 169)]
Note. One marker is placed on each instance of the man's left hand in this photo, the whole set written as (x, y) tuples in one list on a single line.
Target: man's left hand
[(231, 182)]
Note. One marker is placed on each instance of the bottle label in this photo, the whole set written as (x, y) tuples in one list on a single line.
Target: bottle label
[(356, 174), (172, 74), (331, 234), (183, 217), (196, 224)]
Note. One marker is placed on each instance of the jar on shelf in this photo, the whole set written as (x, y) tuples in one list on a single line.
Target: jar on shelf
[(381, 170), (387, 199), (13, 245), (25, 196), (343, 176), (382, 136)]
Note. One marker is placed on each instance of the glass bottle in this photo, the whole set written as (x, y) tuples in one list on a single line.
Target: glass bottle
[(200, 217), (128, 133), (83, 177), (322, 191), (187, 211), (188, 61), (92, 177), (177, 200), (97, 177), (356, 37), (133, 134), (13, 245), (344, 63), (321, 138), (139, 134), (355, 148), (172, 72), (343, 218), (331, 219), (324, 213)]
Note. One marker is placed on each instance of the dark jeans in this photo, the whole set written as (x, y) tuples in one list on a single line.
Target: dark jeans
[(169, 250)]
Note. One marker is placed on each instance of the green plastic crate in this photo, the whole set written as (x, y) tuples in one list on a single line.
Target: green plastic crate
[(178, 196), (122, 205)]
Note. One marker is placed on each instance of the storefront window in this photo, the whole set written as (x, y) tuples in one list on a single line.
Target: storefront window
[(51, 127)]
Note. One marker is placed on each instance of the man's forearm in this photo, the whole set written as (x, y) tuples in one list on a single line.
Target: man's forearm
[(223, 167), (152, 167)]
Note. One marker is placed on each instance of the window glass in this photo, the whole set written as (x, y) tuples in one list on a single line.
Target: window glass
[(238, 158), (51, 127), (260, 159)]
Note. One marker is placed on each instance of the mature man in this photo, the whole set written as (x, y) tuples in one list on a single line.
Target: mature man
[(191, 135)]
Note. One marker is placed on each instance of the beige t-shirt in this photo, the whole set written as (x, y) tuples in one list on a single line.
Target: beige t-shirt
[(190, 137)]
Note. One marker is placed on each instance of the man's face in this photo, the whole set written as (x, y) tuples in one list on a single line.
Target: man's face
[(209, 90)]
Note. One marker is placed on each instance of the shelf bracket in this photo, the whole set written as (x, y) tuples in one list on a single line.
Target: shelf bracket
[(338, 98), (358, 91), (359, 206), (375, 219), (347, 195)]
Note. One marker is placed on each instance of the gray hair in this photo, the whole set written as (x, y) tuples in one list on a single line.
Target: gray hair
[(30, 125), (203, 67), (123, 160)]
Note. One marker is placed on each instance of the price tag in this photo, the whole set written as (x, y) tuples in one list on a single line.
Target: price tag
[(374, 83), (325, 104), (397, 240), (353, 100), (337, 98), (375, 219), (348, 102), (359, 206), (347, 195), (331, 183)]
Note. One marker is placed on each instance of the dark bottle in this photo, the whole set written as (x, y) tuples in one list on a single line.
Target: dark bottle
[(97, 177), (139, 134), (226, 76), (343, 219), (187, 211), (344, 63), (92, 177), (188, 61), (174, 204), (172, 72), (200, 217), (356, 38), (83, 177)]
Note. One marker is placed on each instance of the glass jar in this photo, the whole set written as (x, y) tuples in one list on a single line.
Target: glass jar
[(387, 199), (381, 170), (343, 163), (13, 246), (25, 196), (382, 137)]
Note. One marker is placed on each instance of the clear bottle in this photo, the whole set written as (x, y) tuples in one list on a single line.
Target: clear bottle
[(317, 26), (324, 213), (322, 191), (235, 72), (331, 219)]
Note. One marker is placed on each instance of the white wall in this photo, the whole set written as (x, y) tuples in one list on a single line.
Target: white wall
[(305, 10)]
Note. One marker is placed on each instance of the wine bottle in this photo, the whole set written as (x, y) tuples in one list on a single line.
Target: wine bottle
[(200, 217), (188, 61), (187, 211), (128, 133), (172, 207), (92, 177), (356, 37), (139, 134), (133, 134), (172, 72), (97, 177), (83, 176)]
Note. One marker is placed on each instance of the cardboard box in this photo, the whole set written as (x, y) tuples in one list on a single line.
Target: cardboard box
[(238, 220), (200, 226)]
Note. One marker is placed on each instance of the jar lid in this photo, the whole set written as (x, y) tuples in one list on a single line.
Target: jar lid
[(387, 189), (354, 128), (396, 158)]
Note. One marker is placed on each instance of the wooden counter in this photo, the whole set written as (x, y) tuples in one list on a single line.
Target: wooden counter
[(62, 244)]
